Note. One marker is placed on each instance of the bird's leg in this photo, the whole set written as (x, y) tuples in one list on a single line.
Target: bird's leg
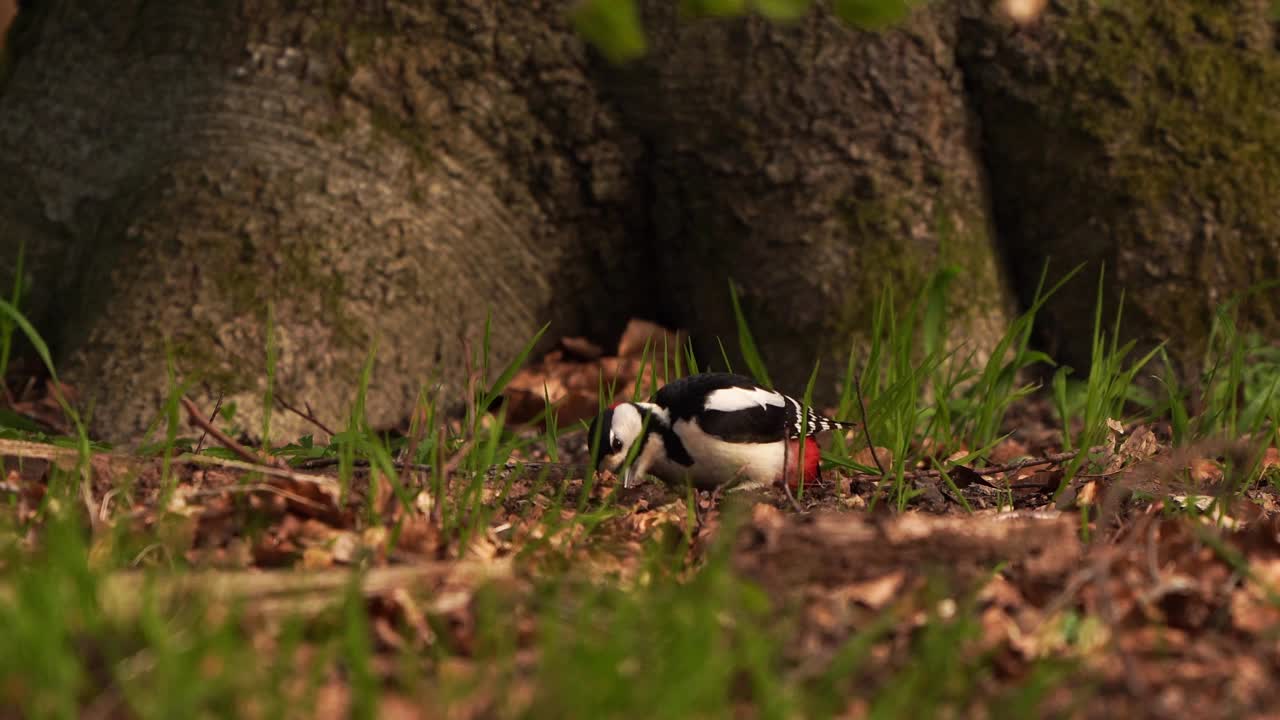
[(786, 488), (786, 457)]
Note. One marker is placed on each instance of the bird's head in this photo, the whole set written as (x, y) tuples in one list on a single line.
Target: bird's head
[(613, 434)]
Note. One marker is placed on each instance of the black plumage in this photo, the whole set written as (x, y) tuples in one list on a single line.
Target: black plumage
[(759, 424), (686, 399)]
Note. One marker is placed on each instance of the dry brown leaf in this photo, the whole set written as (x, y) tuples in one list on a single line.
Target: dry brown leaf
[(332, 701), (481, 548), (581, 348), (345, 547), (575, 406), (876, 592), (1115, 426), (315, 558), (1088, 494), (8, 11), (1252, 609), (642, 333), (1140, 445), (1205, 470), (672, 513), (1009, 450), (767, 517), (570, 378), (864, 457), (1271, 457), (522, 405)]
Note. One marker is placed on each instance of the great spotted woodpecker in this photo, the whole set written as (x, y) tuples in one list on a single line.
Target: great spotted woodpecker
[(713, 429)]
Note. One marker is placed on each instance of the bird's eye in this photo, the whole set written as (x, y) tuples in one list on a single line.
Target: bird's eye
[(617, 445)]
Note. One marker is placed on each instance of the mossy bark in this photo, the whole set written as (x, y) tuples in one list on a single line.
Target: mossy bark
[(385, 174), (1142, 135), (813, 165), (381, 174)]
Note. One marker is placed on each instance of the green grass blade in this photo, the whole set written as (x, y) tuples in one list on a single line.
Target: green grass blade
[(6, 327), (509, 372), (724, 356), (268, 395), (747, 343), (935, 310)]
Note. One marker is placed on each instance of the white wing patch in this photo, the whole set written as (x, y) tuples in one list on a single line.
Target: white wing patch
[(733, 399)]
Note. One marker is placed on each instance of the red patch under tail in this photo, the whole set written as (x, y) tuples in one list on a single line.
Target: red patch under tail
[(812, 456)]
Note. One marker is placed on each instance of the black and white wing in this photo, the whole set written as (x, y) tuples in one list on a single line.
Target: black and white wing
[(813, 424), (735, 408), (688, 396)]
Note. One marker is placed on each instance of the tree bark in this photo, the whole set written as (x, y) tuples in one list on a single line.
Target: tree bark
[(1143, 136), (386, 175), (380, 174), (815, 166)]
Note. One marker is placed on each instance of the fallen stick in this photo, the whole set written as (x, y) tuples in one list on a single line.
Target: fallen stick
[(1050, 459), (54, 453), (271, 470), (225, 440), (123, 595), (320, 463), (309, 415)]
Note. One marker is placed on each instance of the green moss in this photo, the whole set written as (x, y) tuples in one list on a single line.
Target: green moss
[(249, 279), (404, 131), (335, 130), (1183, 104), (887, 258), (1211, 104)]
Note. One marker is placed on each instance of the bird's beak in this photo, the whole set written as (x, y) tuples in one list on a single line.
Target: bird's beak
[(628, 478)]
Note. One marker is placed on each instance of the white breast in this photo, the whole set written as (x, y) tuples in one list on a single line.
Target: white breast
[(716, 462)]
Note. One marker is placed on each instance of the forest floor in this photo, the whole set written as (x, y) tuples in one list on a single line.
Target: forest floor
[(214, 579)]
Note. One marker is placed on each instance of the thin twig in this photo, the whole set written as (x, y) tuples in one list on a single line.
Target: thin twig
[(437, 503), (866, 431), (225, 440), (795, 504), (327, 462), (321, 463), (27, 387), (309, 415), (10, 400), (212, 416), (786, 486), (452, 463), (273, 593), (415, 439), (1050, 459), (323, 482), (446, 471), (44, 451), (258, 487)]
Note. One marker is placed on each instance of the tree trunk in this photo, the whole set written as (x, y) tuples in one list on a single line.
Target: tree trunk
[(380, 174), (814, 165), (386, 174), (1142, 135)]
